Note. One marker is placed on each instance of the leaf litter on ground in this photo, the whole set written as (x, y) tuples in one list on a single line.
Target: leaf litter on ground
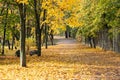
[(67, 60)]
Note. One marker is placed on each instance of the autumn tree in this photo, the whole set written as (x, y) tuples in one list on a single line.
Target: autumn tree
[(22, 11), (37, 22), (100, 19)]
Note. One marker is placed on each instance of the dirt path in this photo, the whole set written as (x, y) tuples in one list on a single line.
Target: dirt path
[(67, 60), (89, 64)]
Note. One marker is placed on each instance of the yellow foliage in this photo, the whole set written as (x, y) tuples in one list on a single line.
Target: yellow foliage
[(22, 1), (56, 12)]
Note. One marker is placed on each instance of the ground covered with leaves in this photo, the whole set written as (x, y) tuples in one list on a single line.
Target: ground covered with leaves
[(67, 60)]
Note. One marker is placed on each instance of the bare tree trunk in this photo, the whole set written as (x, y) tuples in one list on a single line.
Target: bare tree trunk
[(115, 40), (67, 32), (66, 36), (46, 29), (22, 10), (8, 44), (37, 28), (0, 44), (13, 41), (105, 36), (52, 37), (118, 43), (46, 36), (100, 38)]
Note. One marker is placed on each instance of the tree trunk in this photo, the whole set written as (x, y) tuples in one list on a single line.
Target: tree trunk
[(22, 10), (8, 44), (94, 42), (46, 36), (37, 28), (52, 37), (99, 38), (28, 32), (67, 32), (66, 35), (118, 43), (115, 40), (90, 41), (0, 44), (105, 36), (5, 25), (13, 41), (46, 30)]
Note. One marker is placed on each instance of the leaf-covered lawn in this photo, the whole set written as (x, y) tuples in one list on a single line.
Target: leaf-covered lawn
[(67, 60)]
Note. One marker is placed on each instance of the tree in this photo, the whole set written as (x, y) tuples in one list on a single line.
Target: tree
[(46, 28), (100, 18), (5, 25), (22, 10), (37, 28)]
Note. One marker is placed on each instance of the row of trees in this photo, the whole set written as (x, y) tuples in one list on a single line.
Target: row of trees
[(28, 15), (95, 21), (100, 23), (36, 19)]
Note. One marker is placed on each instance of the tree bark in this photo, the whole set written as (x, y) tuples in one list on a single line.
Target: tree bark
[(13, 41), (8, 44), (37, 28), (46, 36), (46, 29), (52, 36), (22, 10), (115, 40)]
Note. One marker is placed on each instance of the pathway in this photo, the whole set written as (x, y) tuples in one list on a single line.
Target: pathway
[(67, 60), (89, 64)]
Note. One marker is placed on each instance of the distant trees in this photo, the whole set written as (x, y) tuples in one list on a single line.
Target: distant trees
[(8, 21), (5, 26), (100, 19)]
